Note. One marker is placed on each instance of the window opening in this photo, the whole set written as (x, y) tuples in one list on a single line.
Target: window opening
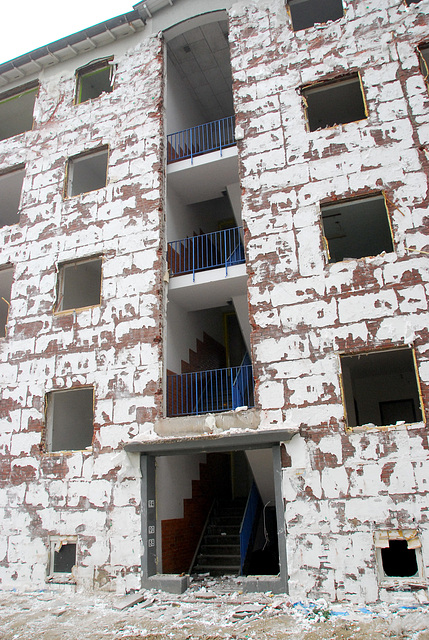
[(79, 285), (399, 554), (381, 388), (93, 80), (335, 102), (10, 196), (87, 172), (16, 111), (62, 557), (307, 13), (70, 416), (398, 560), (356, 228), (6, 275)]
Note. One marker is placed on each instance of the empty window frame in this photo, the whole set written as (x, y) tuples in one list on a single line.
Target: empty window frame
[(381, 388), (334, 102), (399, 555), (306, 13), (62, 557), (6, 275), (16, 111), (356, 228), (87, 172), (93, 80), (79, 284), (10, 195), (423, 51), (70, 418)]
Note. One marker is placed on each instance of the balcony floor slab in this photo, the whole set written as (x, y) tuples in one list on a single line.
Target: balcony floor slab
[(211, 288), (205, 177)]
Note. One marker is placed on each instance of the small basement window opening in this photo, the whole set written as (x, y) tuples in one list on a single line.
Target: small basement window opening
[(10, 196), (381, 388), (398, 560), (93, 80), (62, 556), (70, 418), (87, 172), (307, 13), (6, 276), (79, 285), (356, 228), (399, 554), (335, 102), (16, 111)]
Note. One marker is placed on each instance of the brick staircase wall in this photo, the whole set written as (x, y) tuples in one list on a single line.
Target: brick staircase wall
[(180, 536), (209, 354)]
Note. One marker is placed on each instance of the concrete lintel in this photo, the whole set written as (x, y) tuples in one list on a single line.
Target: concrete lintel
[(212, 443), (170, 583), (208, 423)]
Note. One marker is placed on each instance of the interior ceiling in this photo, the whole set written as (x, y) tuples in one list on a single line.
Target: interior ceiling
[(201, 56), (379, 363)]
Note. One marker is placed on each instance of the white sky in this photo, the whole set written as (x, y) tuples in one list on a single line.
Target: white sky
[(28, 24)]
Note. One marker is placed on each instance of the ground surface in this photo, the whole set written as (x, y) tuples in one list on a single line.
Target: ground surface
[(207, 611)]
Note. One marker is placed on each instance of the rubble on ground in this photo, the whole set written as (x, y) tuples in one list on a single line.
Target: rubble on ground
[(209, 610)]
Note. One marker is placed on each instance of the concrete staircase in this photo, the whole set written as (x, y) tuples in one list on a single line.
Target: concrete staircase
[(219, 552)]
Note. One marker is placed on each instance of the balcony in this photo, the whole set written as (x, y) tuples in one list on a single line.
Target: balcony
[(210, 391), (206, 251), (204, 138)]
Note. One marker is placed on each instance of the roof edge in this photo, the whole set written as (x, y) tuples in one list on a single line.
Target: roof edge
[(62, 43)]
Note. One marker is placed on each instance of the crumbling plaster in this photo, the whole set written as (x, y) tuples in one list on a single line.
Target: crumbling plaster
[(339, 486), (114, 346)]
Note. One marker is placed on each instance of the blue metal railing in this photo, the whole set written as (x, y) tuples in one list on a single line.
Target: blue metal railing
[(247, 529), (211, 136), (207, 251), (242, 382), (210, 391)]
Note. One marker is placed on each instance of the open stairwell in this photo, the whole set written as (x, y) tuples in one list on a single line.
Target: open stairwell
[(219, 551), (209, 354)]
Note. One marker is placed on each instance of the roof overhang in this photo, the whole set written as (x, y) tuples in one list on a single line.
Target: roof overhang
[(148, 7), (211, 443), (71, 46)]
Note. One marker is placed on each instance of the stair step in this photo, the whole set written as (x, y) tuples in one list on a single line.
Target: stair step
[(221, 540), (219, 561), (217, 530), (218, 549), (227, 519), (233, 512), (217, 570), (219, 553)]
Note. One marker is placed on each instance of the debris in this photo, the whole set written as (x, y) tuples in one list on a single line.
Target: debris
[(248, 610), (207, 595), (129, 601)]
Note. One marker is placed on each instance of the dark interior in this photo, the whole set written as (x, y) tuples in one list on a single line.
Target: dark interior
[(65, 558), (306, 13), (332, 103), (399, 561)]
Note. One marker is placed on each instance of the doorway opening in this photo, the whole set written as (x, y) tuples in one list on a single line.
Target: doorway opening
[(217, 514)]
